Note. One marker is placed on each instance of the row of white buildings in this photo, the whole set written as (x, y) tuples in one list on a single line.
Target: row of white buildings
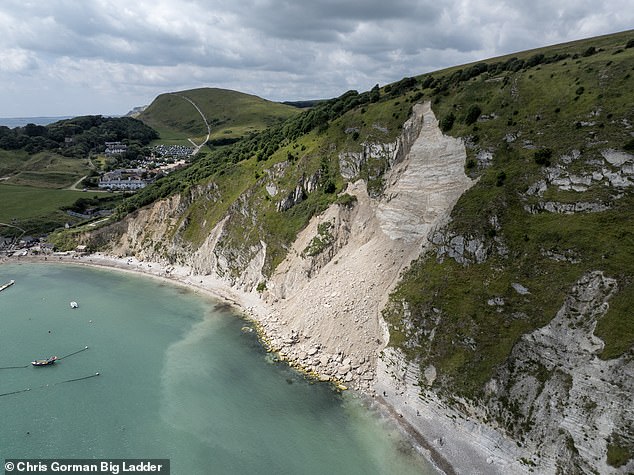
[(123, 179)]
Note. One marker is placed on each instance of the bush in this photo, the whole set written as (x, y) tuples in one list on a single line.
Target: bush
[(543, 156), (618, 451), (501, 177), (472, 114), (589, 52), (429, 82), (346, 200), (402, 86), (447, 122)]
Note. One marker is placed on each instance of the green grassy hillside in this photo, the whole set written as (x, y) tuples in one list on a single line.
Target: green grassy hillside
[(306, 146), (37, 210), (538, 127), (549, 135), (230, 114), (42, 170)]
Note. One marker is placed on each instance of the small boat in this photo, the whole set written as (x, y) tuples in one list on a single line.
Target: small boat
[(7, 285), (46, 362), (74, 304)]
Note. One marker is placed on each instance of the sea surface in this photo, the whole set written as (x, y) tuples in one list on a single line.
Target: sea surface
[(179, 379), (13, 122)]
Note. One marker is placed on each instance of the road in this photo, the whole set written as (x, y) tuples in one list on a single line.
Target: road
[(16, 227), (197, 147), (76, 184)]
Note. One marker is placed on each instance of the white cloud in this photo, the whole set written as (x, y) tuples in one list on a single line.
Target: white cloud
[(14, 60), (110, 55)]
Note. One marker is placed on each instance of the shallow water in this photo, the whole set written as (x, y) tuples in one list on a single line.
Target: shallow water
[(179, 379)]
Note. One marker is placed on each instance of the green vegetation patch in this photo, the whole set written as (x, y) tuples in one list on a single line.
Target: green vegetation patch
[(619, 451), (43, 169), (321, 241), (230, 114), (529, 112), (23, 202), (39, 210)]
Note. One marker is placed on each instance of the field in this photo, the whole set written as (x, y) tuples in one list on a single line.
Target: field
[(36, 210), (42, 170)]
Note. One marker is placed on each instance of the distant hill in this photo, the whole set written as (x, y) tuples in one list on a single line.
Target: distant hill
[(304, 104), (230, 114), (135, 112)]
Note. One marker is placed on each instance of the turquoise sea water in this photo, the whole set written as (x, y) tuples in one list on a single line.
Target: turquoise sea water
[(178, 380)]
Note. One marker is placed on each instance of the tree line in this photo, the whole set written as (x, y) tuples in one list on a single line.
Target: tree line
[(77, 137)]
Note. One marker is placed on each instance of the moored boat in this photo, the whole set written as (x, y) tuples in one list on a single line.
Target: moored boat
[(8, 284), (46, 362), (74, 304)]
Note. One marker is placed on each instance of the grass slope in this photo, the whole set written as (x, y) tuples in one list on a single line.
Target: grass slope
[(36, 210), (44, 169), (230, 114), (532, 120)]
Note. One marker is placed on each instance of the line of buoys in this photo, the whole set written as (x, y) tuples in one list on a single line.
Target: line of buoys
[(61, 358), (16, 392), (74, 353), (78, 379), (14, 367), (51, 384)]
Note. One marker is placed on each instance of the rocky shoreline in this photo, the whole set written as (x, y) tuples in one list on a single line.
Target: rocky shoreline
[(449, 449)]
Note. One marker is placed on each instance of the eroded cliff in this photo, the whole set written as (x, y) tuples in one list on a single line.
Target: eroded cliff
[(544, 410)]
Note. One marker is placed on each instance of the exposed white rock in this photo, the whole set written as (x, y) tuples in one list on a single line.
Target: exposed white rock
[(271, 189), (520, 289), (388, 232), (617, 158), (568, 398)]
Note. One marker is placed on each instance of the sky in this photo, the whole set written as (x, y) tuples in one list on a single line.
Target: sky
[(69, 57)]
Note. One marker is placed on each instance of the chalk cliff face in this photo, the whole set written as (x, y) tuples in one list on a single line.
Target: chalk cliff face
[(326, 297), (573, 401), (327, 308)]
